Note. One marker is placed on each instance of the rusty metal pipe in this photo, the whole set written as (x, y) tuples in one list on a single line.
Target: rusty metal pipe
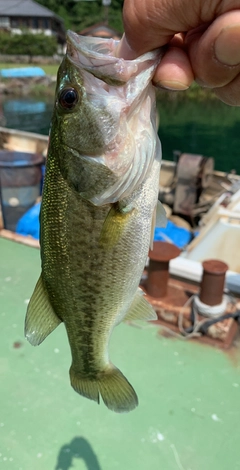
[(213, 280), (158, 269)]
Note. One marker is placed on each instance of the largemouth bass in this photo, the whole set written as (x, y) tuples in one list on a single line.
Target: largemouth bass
[(98, 211)]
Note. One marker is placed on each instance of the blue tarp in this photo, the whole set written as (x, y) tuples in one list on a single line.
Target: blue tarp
[(173, 234), (22, 72), (29, 225), (29, 222)]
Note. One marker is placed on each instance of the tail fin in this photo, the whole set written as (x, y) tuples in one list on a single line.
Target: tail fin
[(116, 392)]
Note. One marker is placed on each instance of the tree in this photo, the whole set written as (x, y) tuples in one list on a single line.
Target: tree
[(24, 44), (79, 14)]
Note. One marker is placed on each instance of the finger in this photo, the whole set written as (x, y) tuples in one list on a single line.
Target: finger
[(142, 32), (215, 53), (178, 40), (229, 94), (150, 24), (124, 51), (174, 71)]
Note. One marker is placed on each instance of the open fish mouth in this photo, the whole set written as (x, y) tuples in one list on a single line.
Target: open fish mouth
[(93, 53)]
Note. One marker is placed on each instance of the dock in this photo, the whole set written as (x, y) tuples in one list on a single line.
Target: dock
[(188, 416)]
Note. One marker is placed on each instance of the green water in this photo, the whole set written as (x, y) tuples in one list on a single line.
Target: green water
[(209, 127)]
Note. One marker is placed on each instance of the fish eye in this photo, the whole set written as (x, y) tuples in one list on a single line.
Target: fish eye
[(68, 98)]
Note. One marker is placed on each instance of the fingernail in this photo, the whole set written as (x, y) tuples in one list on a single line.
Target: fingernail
[(227, 45), (172, 85), (124, 51)]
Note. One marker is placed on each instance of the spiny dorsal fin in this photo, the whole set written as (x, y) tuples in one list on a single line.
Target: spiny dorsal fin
[(114, 225), (41, 319), (140, 309)]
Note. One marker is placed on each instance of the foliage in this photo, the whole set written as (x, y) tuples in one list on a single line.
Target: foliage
[(27, 44), (39, 90), (79, 14), (194, 92)]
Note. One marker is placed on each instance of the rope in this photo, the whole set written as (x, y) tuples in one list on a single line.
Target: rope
[(210, 310), (197, 328)]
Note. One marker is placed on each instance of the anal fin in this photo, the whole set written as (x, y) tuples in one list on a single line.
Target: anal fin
[(140, 308), (41, 319)]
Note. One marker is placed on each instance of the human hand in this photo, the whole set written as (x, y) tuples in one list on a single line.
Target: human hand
[(203, 38)]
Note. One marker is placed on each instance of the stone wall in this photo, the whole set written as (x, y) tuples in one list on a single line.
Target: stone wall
[(26, 59), (24, 86)]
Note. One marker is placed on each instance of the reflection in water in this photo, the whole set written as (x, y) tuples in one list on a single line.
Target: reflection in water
[(78, 448), (26, 114), (206, 128)]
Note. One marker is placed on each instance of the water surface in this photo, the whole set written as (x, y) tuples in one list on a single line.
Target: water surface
[(210, 128), (207, 128), (26, 113)]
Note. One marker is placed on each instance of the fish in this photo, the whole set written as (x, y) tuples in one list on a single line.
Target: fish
[(99, 206)]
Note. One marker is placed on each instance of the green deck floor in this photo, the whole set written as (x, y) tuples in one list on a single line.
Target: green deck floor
[(189, 412)]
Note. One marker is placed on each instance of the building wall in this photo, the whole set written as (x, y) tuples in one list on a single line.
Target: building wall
[(47, 26)]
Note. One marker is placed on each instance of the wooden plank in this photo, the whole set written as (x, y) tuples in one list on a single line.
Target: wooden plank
[(15, 237)]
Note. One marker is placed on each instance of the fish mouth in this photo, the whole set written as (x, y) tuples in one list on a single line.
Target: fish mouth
[(97, 56), (91, 45)]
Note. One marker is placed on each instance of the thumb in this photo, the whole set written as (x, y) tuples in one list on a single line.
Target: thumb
[(142, 33), (150, 24), (127, 52)]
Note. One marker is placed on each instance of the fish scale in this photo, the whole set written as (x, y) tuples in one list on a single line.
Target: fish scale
[(93, 253)]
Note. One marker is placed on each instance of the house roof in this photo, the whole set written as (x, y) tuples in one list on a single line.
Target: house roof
[(24, 8), (101, 30)]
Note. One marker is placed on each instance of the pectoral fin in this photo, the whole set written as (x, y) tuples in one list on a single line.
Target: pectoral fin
[(159, 219), (41, 319), (140, 309), (114, 225)]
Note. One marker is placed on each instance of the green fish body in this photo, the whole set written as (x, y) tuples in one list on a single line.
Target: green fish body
[(97, 212)]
